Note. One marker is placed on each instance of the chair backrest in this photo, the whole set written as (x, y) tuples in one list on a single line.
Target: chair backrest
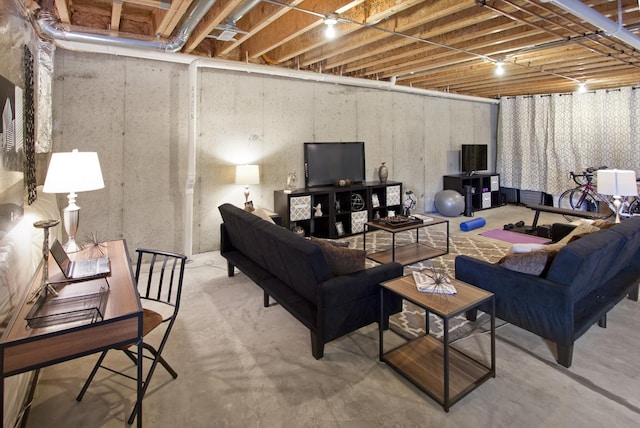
[(161, 273)]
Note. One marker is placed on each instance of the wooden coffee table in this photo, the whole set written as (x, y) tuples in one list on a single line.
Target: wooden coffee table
[(440, 370), (409, 253)]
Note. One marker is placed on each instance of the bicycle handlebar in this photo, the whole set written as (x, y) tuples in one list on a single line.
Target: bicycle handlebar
[(587, 174)]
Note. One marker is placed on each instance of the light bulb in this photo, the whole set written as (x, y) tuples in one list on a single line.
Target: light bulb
[(499, 68), (582, 88), (330, 31)]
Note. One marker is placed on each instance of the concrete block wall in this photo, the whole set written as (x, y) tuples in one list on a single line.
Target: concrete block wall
[(135, 112)]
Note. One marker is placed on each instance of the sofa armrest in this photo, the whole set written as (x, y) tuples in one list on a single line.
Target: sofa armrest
[(225, 240), (347, 288), (535, 304), (349, 302), (560, 230), (519, 287)]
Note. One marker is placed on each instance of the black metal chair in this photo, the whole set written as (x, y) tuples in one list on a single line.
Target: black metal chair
[(160, 292)]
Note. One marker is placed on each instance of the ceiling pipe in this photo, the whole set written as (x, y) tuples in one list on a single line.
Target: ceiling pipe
[(614, 29), (53, 28), (241, 10)]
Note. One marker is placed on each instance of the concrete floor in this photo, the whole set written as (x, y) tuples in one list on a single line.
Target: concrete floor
[(242, 365)]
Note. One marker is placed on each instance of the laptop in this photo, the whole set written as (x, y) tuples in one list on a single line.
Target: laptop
[(79, 269)]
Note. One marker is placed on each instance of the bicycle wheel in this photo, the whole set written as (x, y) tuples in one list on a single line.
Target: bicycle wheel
[(571, 199), (634, 208)]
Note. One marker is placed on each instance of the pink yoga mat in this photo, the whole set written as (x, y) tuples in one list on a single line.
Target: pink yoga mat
[(514, 237)]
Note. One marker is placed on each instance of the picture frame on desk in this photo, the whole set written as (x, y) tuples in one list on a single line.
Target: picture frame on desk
[(339, 228)]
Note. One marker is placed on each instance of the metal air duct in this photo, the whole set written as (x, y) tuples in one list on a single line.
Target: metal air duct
[(57, 31), (591, 16)]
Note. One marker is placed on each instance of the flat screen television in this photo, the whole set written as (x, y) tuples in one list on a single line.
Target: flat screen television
[(473, 157), (325, 163)]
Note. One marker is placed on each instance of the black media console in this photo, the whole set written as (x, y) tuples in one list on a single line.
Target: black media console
[(344, 210), (485, 188)]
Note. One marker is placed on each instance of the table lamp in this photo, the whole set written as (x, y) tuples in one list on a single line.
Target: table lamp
[(618, 183), (247, 175), (72, 172)]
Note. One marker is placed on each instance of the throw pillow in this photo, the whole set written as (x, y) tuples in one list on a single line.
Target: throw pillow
[(603, 224), (580, 230), (342, 261), (532, 263), (263, 214)]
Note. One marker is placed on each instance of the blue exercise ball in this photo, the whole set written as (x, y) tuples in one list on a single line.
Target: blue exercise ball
[(449, 203)]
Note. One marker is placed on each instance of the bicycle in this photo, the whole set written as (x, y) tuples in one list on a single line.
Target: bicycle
[(585, 197)]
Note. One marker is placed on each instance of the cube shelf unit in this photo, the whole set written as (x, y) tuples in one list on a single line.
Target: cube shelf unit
[(485, 188), (345, 210)]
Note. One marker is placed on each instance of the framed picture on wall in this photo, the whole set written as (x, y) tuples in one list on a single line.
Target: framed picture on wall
[(11, 155)]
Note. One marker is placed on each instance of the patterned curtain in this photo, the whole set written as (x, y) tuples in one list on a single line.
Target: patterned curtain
[(543, 137)]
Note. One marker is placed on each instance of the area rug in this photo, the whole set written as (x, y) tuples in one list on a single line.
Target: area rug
[(514, 237), (410, 322)]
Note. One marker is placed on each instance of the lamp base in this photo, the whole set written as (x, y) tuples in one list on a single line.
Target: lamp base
[(71, 220), (71, 246), (617, 203)]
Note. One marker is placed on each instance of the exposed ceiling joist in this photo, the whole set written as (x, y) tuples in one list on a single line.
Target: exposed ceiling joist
[(448, 45)]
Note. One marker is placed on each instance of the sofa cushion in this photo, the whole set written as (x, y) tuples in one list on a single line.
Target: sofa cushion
[(532, 263), (342, 261), (296, 261)]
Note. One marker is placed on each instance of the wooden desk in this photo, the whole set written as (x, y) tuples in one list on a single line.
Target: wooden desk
[(23, 349)]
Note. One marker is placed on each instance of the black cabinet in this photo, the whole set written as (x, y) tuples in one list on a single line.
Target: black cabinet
[(332, 212), (485, 188)]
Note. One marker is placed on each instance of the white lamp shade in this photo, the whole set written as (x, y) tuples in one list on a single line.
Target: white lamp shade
[(617, 182), (247, 174), (73, 172)]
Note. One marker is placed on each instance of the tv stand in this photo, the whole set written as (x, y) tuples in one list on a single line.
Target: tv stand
[(344, 210), (485, 188)]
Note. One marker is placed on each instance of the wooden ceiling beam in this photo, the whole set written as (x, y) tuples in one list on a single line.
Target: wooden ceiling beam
[(291, 25), (166, 21), (116, 13), (365, 55), (365, 13), (430, 57), (62, 7), (256, 20), (465, 76), (462, 41), (404, 21)]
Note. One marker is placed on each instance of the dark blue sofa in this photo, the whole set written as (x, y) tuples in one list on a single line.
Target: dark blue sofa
[(585, 280), (295, 273)]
